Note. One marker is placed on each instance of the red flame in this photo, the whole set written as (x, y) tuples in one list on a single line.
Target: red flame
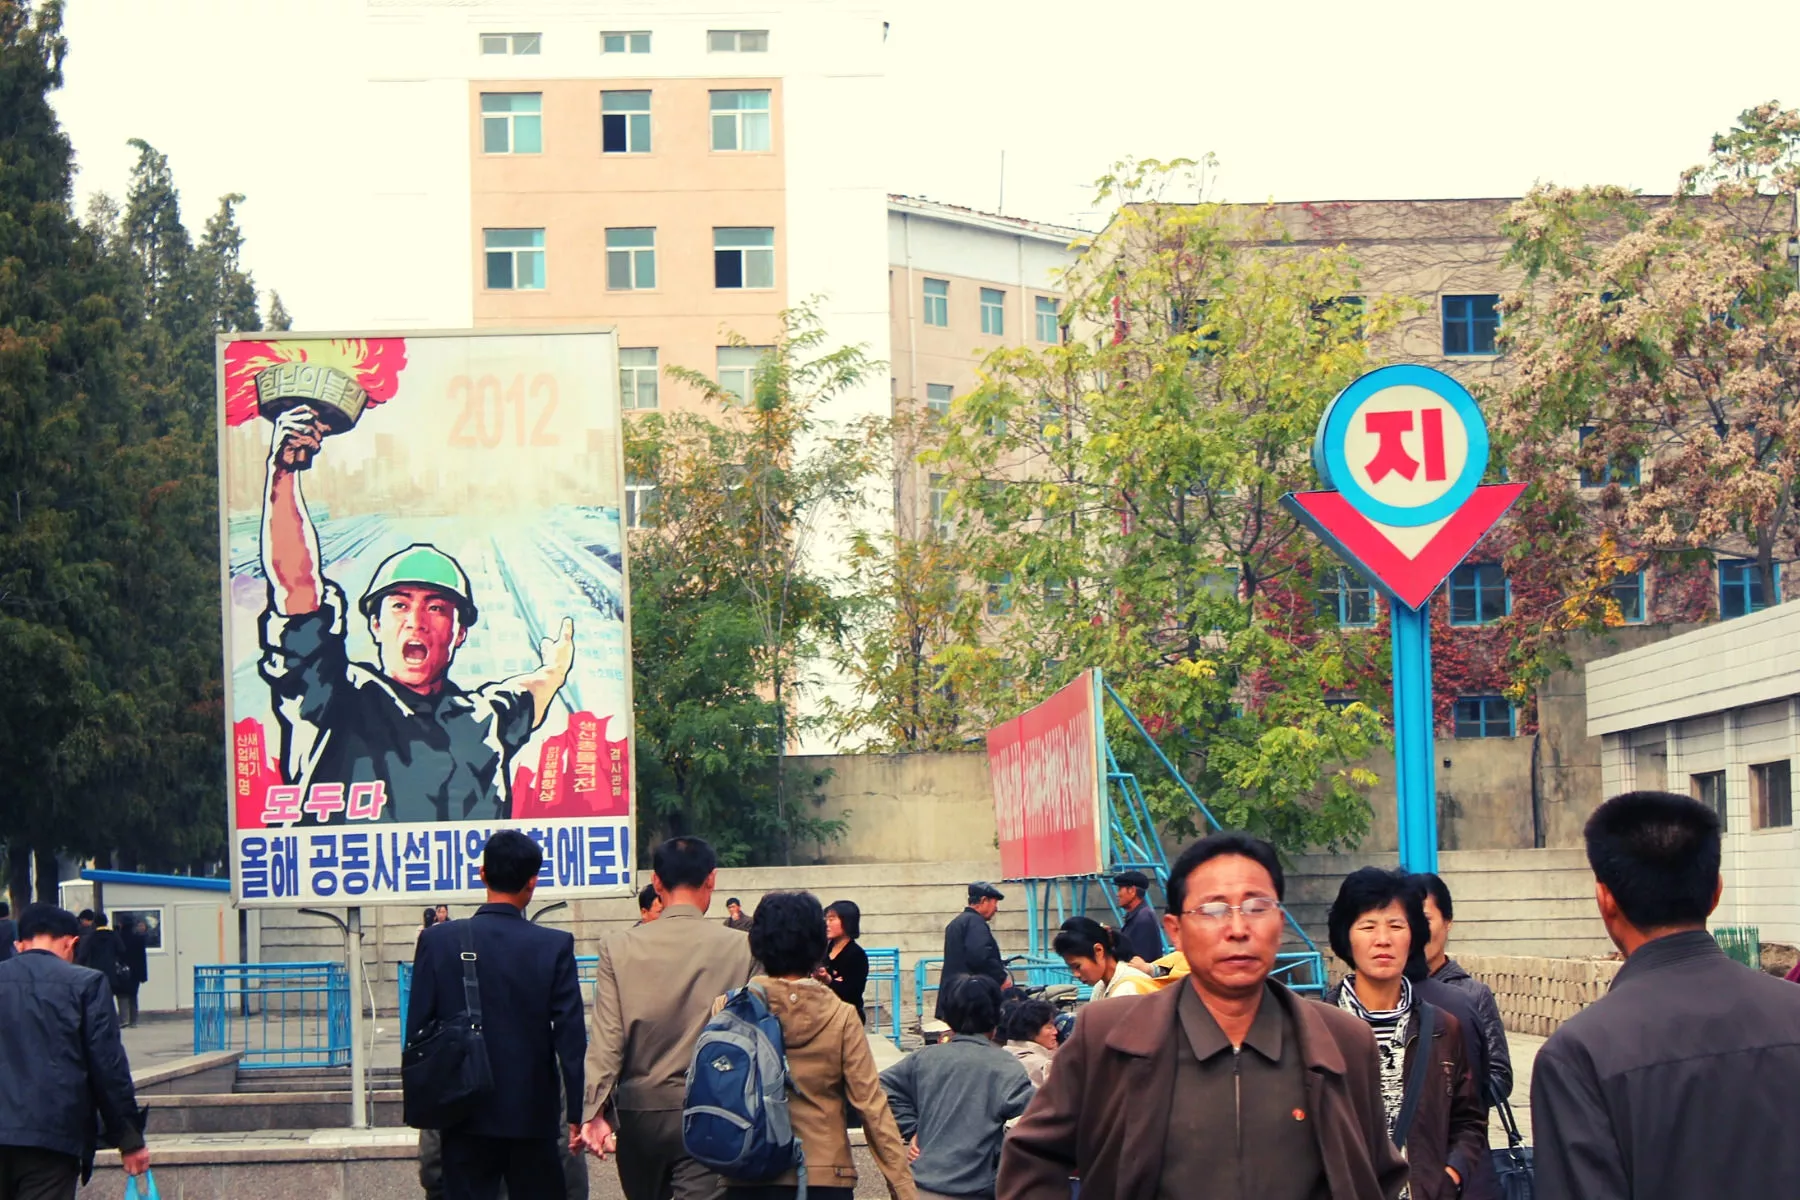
[(375, 364)]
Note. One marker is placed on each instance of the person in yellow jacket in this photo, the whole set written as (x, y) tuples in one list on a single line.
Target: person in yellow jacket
[(1095, 957)]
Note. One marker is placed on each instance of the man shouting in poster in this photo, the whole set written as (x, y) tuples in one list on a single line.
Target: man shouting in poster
[(443, 754)]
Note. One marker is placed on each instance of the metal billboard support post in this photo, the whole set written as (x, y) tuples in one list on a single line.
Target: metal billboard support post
[(359, 1108), (1416, 769)]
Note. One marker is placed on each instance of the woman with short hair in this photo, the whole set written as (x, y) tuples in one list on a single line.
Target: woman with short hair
[(1028, 1027), (1378, 926), (846, 967), (829, 1062), (1096, 957)]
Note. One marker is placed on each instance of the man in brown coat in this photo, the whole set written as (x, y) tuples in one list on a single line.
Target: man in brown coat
[(1226, 1078), (655, 990)]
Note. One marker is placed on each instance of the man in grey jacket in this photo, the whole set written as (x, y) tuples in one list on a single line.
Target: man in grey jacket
[(953, 1100), (1682, 1081), (1490, 1031), (61, 1063)]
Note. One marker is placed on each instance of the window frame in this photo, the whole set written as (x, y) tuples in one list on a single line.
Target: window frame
[(1470, 324), (1054, 313), (490, 252), (937, 500), (1587, 479), (1346, 580), (640, 503), (510, 120), (749, 369), (631, 121), (1752, 578), (634, 256), (1772, 807), (630, 43), (1482, 721), (1641, 583), (747, 257), (999, 602), (1700, 783), (1452, 587), (742, 121), (948, 398), (993, 312), (536, 44), (737, 37), (632, 378), (940, 303)]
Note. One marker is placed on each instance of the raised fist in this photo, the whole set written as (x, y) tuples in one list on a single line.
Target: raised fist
[(298, 436)]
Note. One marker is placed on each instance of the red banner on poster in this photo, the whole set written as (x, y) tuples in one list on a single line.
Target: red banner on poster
[(1045, 767)]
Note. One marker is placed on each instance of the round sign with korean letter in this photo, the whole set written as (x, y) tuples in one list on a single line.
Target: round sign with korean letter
[(1406, 445)]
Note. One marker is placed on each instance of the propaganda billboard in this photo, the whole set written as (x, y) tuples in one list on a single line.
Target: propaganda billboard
[(425, 620), (1045, 768)]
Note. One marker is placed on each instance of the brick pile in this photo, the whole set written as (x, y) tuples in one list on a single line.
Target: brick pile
[(1536, 995)]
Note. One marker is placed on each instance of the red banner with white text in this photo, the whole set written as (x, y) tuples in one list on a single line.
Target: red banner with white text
[(1045, 768)]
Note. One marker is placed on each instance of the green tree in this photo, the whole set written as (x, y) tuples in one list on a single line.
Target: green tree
[(279, 320), (1656, 350), (1119, 498)]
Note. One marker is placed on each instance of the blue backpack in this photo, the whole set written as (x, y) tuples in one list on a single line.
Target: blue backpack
[(734, 1119)]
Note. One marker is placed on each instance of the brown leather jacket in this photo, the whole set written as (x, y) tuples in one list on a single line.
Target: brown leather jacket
[(829, 1064), (1097, 1116), (1449, 1127)]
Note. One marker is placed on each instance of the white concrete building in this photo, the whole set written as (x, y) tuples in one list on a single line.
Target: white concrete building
[(1715, 713), (187, 922)]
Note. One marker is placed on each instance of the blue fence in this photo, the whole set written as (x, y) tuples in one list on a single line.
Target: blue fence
[(884, 980), (278, 1014), (587, 971), (1302, 971)]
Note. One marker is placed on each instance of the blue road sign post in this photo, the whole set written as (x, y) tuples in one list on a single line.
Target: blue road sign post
[(1404, 449)]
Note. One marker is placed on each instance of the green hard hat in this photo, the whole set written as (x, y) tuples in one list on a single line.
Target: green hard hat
[(420, 565)]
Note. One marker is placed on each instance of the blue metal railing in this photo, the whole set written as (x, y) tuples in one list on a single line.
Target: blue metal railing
[(1029, 970), (278, 1014), (587, 973), (884, 977)]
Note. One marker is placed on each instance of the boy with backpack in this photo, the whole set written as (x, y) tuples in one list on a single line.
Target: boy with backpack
[(953, 1100)]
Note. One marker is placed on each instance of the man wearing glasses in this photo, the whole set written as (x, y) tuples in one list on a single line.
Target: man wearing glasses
[(1268, 1097)]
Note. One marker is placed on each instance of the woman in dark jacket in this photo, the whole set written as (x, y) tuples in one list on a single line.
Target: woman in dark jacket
[(105, 953), (1378, 926), (846, 967)]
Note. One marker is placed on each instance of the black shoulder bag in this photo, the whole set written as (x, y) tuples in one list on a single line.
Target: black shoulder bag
[(1512, 1163), (1415, 1082), (444, 1070)]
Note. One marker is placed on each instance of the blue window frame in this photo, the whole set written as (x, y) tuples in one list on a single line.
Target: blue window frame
[(1471, 324), (1741, 589), (1479, 594), (1613, 472), (1347, 598), (999, 593), (1627, 592), (1484, 716)]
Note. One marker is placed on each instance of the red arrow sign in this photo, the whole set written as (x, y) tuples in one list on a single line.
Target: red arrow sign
[(1409, 579)]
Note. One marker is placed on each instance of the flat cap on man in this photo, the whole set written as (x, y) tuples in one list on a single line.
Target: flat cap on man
[(1136, 879), (979, 891)]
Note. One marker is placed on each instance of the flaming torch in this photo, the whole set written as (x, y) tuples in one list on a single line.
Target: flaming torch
[(338, 378)]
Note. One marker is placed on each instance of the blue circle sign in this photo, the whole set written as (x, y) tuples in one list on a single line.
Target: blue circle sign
[(1406, 445)]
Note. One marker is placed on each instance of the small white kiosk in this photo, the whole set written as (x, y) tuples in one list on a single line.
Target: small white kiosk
[(186, 921)]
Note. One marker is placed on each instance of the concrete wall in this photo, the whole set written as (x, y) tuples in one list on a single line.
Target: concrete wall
[(903, 808)]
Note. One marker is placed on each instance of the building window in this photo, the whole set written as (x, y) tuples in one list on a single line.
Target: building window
[(1347, 598), (937, 302), (737, 41), (937, 400), (993, 311), (737, 369), (625, 122), (630, 259), (744, 258), (1771, 794), (515, 259), (1709, 789), (512, 43), (1056, 592), (1624, 472), (637, 377), (625, 42), (1478, 594), (640, 502), (1470, 324), (939, 500), (999, 593), (1048, 329), (1483, 716), (1627, 591), (512, 123), (1741, 590), (740, 121)]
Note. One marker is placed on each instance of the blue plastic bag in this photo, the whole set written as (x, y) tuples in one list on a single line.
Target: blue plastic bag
[(145, 1192)]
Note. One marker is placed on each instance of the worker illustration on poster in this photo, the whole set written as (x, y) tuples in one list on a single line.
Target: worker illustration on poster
[(417, 529)]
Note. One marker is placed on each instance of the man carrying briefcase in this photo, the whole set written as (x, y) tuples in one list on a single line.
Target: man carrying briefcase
[(526, 1020)]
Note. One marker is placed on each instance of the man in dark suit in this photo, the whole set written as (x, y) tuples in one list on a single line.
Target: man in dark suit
[(969, 945), (532, 1024)]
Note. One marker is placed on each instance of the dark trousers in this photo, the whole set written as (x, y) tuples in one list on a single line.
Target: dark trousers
[(27, 1173), (128, 1012), (654, 1165), (786, 1191), (476, 1166)]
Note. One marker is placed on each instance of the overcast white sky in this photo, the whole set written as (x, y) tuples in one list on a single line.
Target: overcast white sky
[(1303, 100)]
